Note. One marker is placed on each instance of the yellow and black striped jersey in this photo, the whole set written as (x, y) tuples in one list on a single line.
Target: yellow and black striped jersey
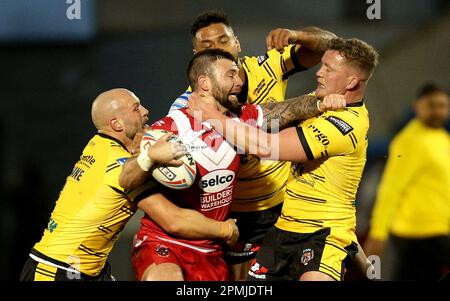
[(92, 208), (261, 183), (321, 192)]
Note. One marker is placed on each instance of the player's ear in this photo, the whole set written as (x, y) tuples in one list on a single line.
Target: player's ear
[(116, 124), (352, 83), (238, 44), (204, 83), (416, 105)]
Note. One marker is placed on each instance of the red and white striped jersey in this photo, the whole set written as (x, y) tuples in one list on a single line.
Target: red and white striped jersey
[(217, 165)]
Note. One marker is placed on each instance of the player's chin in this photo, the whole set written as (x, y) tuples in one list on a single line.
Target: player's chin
[(320, 93), (233, 98), (233, 101)]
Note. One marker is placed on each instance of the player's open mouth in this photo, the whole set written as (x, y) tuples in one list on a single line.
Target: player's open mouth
[(319, 85), (233, 96)]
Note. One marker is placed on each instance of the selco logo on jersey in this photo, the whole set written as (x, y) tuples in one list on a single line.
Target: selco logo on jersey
[(217, 180)]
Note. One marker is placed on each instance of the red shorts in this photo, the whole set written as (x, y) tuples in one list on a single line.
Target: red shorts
[(196, 265)]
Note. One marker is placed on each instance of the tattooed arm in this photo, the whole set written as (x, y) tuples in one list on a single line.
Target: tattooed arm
[(280, 115), (284, 145), (313, 40)]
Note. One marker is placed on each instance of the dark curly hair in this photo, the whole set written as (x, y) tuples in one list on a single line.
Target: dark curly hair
[(201, 63), (427, 89), (207, 18)]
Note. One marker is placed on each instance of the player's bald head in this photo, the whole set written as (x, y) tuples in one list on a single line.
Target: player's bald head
[(109, 105)]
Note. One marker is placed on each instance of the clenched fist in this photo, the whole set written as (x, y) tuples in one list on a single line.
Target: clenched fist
[(280, 38), (230, 232), (332, 102)]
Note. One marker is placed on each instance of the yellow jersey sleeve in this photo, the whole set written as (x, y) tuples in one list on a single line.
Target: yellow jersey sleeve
[(117, 158), (281, 65), (326, 136)]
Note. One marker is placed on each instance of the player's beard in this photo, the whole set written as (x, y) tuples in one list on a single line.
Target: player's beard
[(435, 121), (226, 97)]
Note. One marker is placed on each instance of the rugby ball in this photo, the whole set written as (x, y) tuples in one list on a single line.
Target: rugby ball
[(180, 177)]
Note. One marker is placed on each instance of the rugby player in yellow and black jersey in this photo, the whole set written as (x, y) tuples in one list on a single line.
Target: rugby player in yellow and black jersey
[(261, 184), (314, 238), (94, 206)]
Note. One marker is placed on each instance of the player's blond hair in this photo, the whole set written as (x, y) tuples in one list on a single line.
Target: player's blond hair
[(357, 53)]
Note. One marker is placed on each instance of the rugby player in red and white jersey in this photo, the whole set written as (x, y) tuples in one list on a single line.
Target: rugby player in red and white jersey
[(158, 255)]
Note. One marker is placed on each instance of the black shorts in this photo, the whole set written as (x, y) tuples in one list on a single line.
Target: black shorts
[(421, 259), (38, 271), (253, 226), (287, 255)]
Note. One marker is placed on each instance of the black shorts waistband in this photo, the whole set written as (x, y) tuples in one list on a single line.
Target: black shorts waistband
[(105, 270), (49, 259)]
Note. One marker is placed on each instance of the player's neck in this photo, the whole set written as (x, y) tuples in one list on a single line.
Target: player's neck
[(353, 96), (221, 108), (123, 139), (242, 73)]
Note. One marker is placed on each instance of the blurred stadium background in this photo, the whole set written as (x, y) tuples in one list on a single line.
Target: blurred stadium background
[(53, 67)]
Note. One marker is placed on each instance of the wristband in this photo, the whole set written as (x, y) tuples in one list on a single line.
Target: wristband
[(318, 105), (144, 161)]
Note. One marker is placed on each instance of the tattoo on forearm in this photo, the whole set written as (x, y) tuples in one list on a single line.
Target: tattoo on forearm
[(283, 114)]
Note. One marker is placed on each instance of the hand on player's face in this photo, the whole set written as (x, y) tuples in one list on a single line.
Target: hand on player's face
[(280, 38), (333, 102), (202, 106), (166, 152)]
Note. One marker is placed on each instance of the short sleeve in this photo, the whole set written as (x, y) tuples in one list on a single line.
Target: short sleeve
[(326, 136), (166, 124), (116, 159), (281, 65), (142, 191), (181, 101)]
